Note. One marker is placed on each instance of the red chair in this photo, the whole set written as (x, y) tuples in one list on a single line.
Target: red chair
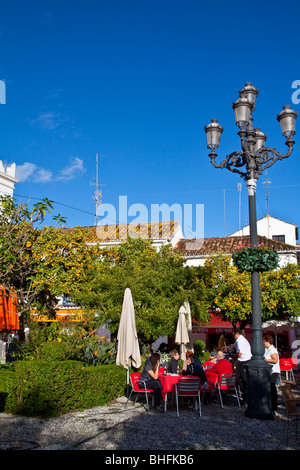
[(227, 382), (161, 370), (212, 381), (287, 366), (139, 386), (188, 387), (208, 364)]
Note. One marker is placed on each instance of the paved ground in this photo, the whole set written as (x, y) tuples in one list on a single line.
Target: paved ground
[(117, 428)]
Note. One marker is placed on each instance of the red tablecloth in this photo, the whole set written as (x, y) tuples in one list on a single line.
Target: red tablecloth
[(168, 382)]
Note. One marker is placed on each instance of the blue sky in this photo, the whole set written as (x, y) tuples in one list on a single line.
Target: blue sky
[(136, 82)]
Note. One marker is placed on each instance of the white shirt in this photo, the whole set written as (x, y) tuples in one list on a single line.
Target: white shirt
[(243, 346), (268, 352)]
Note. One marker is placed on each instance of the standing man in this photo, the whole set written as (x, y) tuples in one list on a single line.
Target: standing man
[(243, 354)]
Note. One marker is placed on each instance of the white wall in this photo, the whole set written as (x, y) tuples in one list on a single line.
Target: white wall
[(270, 226), (284, 259), (7, 179)]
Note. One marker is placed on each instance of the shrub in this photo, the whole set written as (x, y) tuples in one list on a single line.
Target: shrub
[(7, 382), (99, 351), (50, 344), (51, 388), (60, 351), (199, 347)]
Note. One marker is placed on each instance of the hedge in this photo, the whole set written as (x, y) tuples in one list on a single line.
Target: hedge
[(51, 388)]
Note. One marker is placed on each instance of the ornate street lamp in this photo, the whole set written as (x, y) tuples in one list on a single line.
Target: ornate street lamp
[(249, 164)]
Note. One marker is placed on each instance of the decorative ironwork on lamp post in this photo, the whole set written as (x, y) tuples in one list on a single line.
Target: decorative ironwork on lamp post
[(249, 163)]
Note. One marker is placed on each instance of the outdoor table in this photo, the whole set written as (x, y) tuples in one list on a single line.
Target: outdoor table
[(168, 381)]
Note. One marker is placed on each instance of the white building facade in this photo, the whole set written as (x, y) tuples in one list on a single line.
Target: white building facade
[(7, 179), (273, 228)]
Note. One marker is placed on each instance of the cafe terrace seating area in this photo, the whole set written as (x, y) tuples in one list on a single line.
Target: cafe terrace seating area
[(187, 390), (223, 392)]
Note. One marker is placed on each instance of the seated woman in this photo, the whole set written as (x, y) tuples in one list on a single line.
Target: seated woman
[(150, 377), (194, 367), (172, 366), (185, 364)]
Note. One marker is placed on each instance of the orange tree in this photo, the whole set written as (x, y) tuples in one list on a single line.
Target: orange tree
[(228, 292), (39, 263), (64, 261), (280, 293), (19, 233), (159, 282)]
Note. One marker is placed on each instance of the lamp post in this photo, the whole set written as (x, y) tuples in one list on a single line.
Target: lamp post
[(249, 164)]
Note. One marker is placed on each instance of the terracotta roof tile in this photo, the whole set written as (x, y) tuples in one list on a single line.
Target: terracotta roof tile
[(209, 246), (145, 230)]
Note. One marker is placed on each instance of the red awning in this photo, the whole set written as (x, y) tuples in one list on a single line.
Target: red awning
[(216, 325), (216, 322), (9, 319)]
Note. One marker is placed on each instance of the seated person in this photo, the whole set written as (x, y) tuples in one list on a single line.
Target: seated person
[(163, 348), (184, 366), (172, 366), (223, 366), (194, 367), (213, 354), (150, 377)]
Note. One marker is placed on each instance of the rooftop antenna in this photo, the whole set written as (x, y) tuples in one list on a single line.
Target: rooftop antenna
[(239, 189), (267, 199), (224, 213), (98, 194)]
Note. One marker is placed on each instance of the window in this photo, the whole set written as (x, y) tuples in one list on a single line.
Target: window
[(279, 238)]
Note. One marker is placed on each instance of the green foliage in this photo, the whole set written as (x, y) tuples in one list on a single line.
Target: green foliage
[(19, 233), (52, 341), (55, 376), (255, 258), (51, 388), (158, 280), (199, 347), (228, 291), (100, 351), (59, 351), (7, 385), (280, 293), (65, 261), (41, 263), (37, 262), (59, 342)]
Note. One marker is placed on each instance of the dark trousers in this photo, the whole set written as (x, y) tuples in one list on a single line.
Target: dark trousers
[(241, 379), (274, 396), (155, 385)]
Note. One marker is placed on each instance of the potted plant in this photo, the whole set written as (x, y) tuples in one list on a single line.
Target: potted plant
[(255, 258)]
